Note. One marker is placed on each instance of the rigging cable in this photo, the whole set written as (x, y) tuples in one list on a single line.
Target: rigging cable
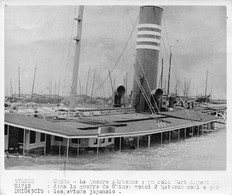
[(124, 48), (173, 67), (173, 63), (144, 94), (147, 82)]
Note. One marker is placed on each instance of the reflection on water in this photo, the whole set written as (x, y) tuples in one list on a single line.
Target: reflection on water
[(207, 152)]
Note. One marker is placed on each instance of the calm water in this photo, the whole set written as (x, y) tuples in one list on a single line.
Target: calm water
[(207, 152)]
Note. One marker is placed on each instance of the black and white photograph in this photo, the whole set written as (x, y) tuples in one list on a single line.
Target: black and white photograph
[(128, 87)]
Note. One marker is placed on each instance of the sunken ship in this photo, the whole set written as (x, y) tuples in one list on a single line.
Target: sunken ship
[(148, 119)]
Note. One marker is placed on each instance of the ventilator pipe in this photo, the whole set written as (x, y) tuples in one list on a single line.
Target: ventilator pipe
[(118, 94), (157, 96)]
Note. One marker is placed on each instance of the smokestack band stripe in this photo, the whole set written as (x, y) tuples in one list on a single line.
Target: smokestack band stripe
[(148, 40), (148, 33), (148, 47), (147, 25), (148, 36)]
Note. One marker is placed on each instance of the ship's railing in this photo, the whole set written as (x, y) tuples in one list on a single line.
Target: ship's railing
[(61, 113), (105, 111)]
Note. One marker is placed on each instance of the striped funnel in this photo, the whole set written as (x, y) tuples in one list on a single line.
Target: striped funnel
[(147, 56)]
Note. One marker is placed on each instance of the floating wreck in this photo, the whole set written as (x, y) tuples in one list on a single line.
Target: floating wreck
[(75, 129)]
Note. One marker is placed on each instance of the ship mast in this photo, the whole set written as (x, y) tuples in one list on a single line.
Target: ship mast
[(162, 70), (206, 82), (80, 87), (11, 88), (58, 93), (125, 83), (77, 57), (33, 85), (111, 83), (93, 84), (169, 72), (87, 85), (19, 80)]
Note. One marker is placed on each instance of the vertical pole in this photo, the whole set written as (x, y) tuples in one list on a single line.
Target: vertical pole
[(206, 83), (97, 146), (80, 86), (67, 149), (138, 142), (11, 88), (161, 83), (198, 134), (178, 134), (15, 90), (19, 80), (120, 144), (59, 149), (50, 89), (112, 87), (161, 138), (192, 131), (24, 141), (45, 144), (8, 133), (169, 137), (176, 87), (86, 91), (58, 93), (66, 159), (169, 72), (103, 89), (114, 84), (93, 84), (149, 141), (59, 152), (126, 85), (78, 146), (165, 86), (33, 84), (77, 57), (184, 133), (55, 90), (124, 79)]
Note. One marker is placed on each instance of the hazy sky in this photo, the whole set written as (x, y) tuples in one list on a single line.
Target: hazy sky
[(43, 35)]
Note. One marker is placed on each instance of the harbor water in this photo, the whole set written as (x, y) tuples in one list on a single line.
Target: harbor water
[(206, 152)]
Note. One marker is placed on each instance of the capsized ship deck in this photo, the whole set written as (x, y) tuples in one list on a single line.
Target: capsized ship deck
[(132, 124)]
